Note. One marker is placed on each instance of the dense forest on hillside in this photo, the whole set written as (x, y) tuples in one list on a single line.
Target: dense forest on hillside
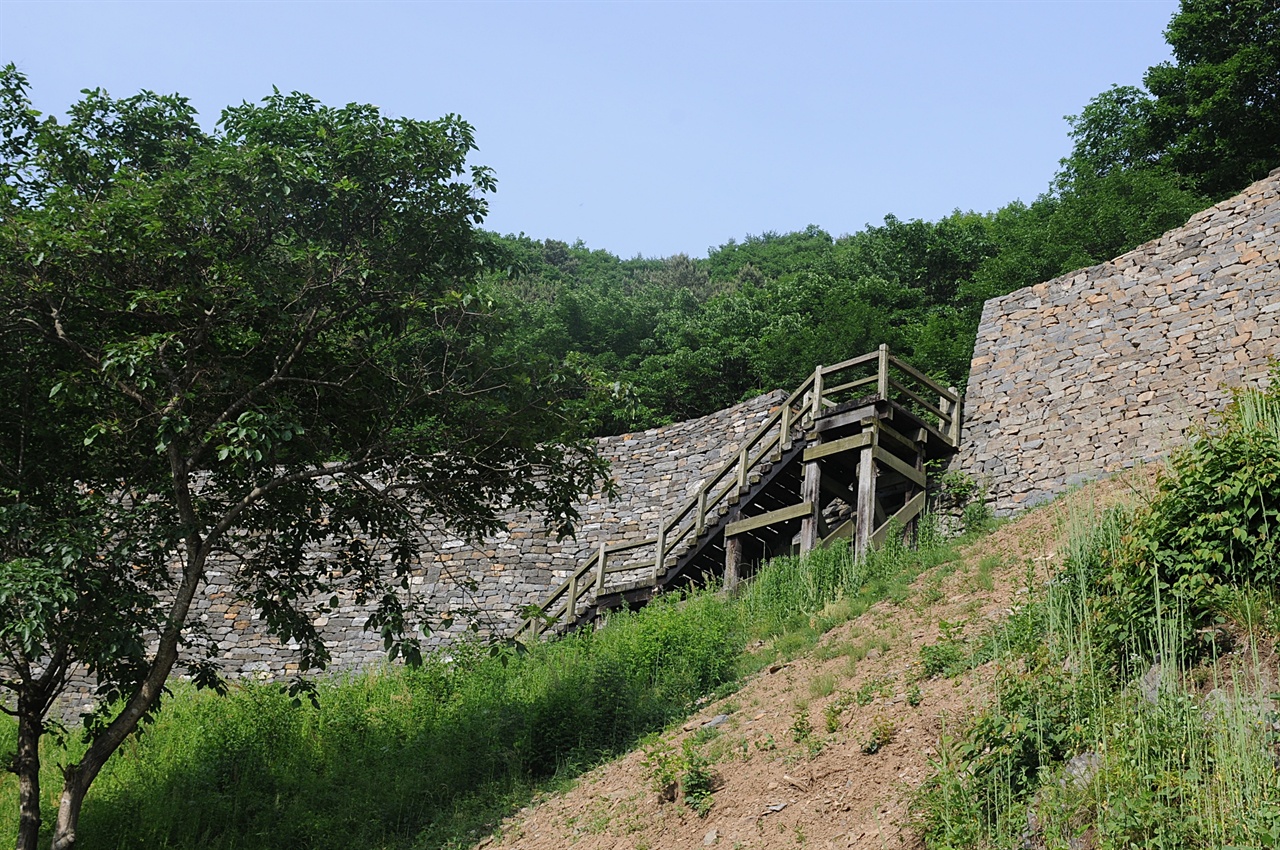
[(660, 340)]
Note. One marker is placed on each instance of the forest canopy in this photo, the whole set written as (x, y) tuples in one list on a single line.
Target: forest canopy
[(666, 339)]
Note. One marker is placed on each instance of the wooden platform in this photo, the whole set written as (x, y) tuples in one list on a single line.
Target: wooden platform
[(852, 441)]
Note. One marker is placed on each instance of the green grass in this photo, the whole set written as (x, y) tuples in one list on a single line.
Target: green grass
[(435, 757), (1088, 741)]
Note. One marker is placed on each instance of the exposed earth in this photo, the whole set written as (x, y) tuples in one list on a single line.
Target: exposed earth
[(847, 782)]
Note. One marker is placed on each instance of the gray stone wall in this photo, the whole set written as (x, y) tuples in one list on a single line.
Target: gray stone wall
[(1099, 369), (652, 470)]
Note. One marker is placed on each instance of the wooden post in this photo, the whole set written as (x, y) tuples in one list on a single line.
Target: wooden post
[(600, 566), (957, 411), (732, 561), (817, 393), (742, 468), (784, 437), (571, 604), (659, 561), (866, 507), (910, 534), (701, 523), (810, 492), (882, 374)]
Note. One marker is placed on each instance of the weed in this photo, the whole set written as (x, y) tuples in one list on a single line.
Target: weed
[(696, 780), (436, 756), (914, 696), (988, 565), (801, 728), (662, 766), (686, 772), (1090, 742), (948, 656), (978, 517), (834, 649), (882, 734), (822, 685), (831, 716), (873, 688)]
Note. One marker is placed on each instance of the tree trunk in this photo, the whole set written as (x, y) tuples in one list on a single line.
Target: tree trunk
[(78, 777), (27, 766), (75, 784)]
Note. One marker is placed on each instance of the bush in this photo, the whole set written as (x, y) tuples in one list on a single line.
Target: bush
[(1215, 521)]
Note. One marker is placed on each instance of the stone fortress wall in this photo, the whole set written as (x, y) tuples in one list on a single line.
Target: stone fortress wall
[(1109, 366), (653, 471), (1071, 379)]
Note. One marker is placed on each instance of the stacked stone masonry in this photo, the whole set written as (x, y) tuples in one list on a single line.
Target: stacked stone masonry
[(653, 471), (1071, 379), (1111, 365)]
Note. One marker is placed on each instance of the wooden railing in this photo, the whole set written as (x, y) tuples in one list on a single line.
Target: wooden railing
[(877, 375)]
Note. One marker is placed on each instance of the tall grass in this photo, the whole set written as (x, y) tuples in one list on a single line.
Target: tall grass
[(1121, 720), (434, 757), (829, 585)]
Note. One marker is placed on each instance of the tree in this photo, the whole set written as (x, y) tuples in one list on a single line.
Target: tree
[(1212, 116), (1111, 133), (1216, 116), (247, 343)]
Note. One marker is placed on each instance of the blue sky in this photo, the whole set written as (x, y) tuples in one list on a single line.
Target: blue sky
[(650, 128)]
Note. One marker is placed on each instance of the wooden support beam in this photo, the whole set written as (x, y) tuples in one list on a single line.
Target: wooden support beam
[(751, 523), (844, 444), (732, 563), (571, 602), (908, 512), (899, 465), (833, 487), (816, 413), (601, 566), (811, 495), (957, 414), (865, 509), (848, 417), (844, 531), (660, 561)]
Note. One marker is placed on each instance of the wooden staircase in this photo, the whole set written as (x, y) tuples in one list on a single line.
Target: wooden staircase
[(843, 458)]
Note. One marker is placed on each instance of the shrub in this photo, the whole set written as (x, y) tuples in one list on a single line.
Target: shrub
[(1214, 521)]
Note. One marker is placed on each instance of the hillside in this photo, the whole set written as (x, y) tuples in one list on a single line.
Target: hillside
[(777, 785)]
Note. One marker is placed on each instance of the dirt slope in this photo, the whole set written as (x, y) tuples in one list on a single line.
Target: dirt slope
[(826, 790)]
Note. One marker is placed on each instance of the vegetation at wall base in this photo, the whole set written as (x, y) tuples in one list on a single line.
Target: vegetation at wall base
[(1134, 703), (434, 757)]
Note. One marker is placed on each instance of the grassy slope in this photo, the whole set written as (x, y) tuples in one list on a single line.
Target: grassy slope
[(827, 749), (433, 757), (971, 708)]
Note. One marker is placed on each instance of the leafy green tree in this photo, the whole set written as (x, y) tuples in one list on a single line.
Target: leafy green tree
[(1088, 219), (771, 254), (1216, 116), (239, 344), (1212, 116)]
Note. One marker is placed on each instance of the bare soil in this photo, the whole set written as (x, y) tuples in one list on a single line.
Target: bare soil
[(832, 788)]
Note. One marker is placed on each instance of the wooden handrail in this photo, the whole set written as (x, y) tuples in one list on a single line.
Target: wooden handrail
[(920, 401), (946, 392)]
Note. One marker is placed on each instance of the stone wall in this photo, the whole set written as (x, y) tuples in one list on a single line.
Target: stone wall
[(1108, 366), (652, 470)]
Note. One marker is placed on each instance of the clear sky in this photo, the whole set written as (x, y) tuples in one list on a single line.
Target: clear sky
[(650, 128)]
